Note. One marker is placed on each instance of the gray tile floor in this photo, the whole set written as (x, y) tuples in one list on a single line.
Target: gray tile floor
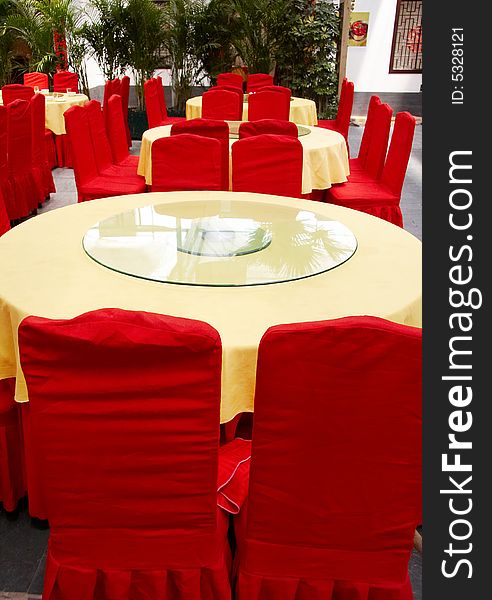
[(22, 546)]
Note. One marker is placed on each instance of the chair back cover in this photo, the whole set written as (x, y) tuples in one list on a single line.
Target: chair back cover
[(43, 176), (5, 183), (125, 418), (274, 126), (19, 153), (116, 129), (125, 99), (211, 128), (344, 111), (228, 88), (258, 80), (153, 105), (280, 89), (16, 91), (343, 399), (222, 104), (267, 164), (37, 79), (160, 96), (64, 80), (99, 137), (230, 79), (395, 167), (79, 135), (112, 86), (374, 102), (378, 144), (186, 162), (268, 105)]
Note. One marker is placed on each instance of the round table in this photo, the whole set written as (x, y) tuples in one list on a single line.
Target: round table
[(55, 108), (45, 271), (325, 159), (302, 111)]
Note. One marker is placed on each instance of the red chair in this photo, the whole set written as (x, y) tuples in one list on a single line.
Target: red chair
[(268, 105), (344, 398), (231, 80), (4, 217), (228, 88), (277, 88), (222, 105), (117, 135), (357, 164), (125, 99), (35, 79), (267, 164), (12, 482), (377, 147), (16, 91), (186, 162), (210, 128), (41, 169), (19, 152), (102, 147), (155, 104), (382, 198), (258, 80), (5, 183), (129, 478), (342, 121), (64, 80), (90, 184), (273, 126)]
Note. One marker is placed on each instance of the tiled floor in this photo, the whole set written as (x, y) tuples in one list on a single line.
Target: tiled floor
[(22, 546)]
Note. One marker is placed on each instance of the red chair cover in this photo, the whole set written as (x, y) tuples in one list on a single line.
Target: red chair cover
[(378, 145), (343, 398), (112, 86), (344, 112), (41, 170), (16, 91), (258, 80), (49, 142), (63, 80), (12, 483), (228, 88), (4, 217), (399, 151), (222, 104), (186, 162), (90, 184), (37, 79), (129, 457), (268, 105), (19, 152), (5, 183), (267, 164), (273, 126), (125, 99), (277, 88), (153, 104), (230, 79), (218, 130), (232, 480), (117, 134), (161, 97), (357, 164), (102, 148)]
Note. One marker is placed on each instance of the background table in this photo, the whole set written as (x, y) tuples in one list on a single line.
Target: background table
[(44, 271), (325, 159), (54, 111), (302, 111)]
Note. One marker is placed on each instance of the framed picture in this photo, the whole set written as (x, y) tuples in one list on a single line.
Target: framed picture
[(359, 25)]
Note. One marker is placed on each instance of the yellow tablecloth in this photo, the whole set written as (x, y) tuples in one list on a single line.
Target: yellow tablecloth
[(302, 111), (44, 271), (55, 108), (324, 155)]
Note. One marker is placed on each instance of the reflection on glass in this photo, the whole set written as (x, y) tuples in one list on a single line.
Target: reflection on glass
[(220, 243)]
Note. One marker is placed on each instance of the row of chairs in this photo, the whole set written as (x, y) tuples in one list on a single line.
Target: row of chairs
[(221, 102), (26, 180), (254, 82), (120, 87), (62, 80), (268, 158), (102, 164), (328, 501)]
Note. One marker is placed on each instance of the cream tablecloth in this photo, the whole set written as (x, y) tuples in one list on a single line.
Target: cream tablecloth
[(324, 155), (44, 271), (302, 111), (55, 108)]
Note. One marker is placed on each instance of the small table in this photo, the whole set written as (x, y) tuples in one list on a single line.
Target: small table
[(325, 159), (302, 111), (45, 271)]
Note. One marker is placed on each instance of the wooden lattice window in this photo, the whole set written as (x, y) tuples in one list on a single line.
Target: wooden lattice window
[(406, 50)]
